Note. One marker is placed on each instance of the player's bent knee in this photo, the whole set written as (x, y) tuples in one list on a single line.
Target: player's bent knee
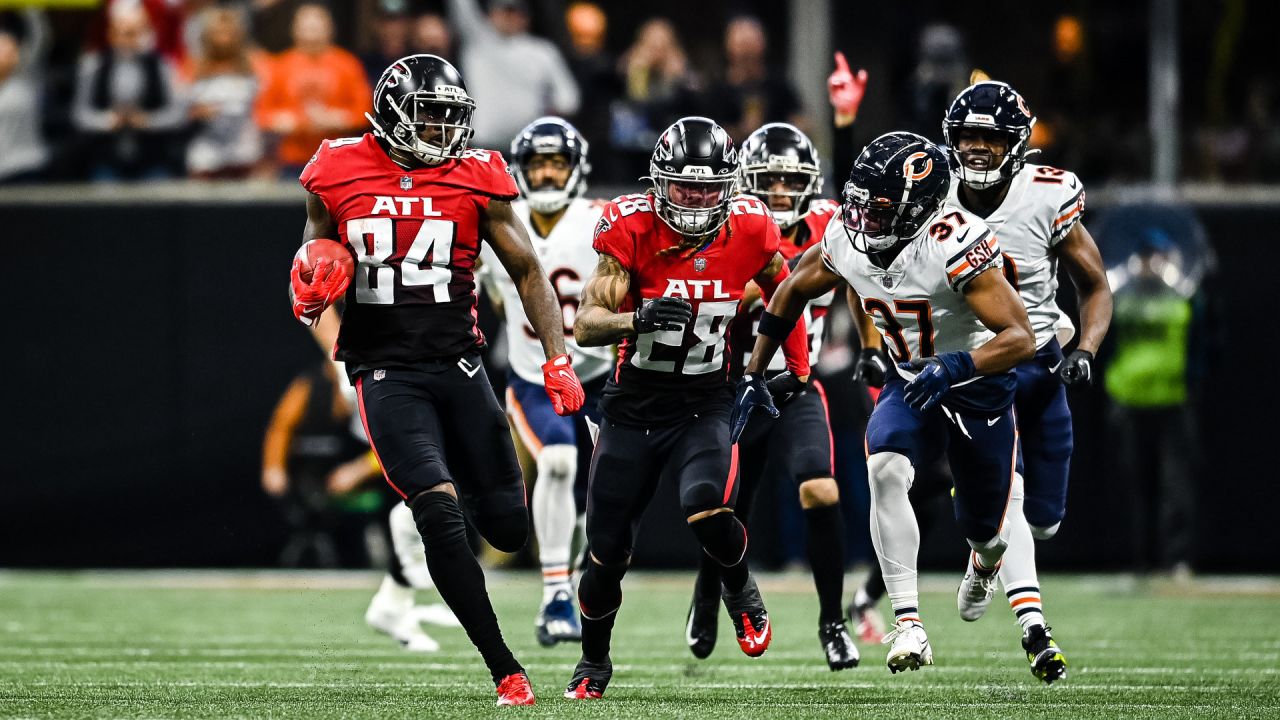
[(558, 463), (890, 470), (702, 496), (819, 492), (723, 537), (995, 545), (439, 520), (1044, 533)]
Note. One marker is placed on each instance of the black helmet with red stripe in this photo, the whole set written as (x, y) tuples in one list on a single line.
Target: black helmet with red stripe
[(897, 185)]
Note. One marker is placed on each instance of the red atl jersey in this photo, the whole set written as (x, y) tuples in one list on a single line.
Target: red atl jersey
[(743, 330), (669, 375), (416, 235)]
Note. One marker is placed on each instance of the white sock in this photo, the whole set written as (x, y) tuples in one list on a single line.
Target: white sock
[(894, 532), (395, 595), (554, 515), (406, 542), (1018, 568)]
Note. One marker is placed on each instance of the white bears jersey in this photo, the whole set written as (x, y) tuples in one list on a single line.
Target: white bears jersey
[(1041, 207), (569, 261), (918, 303)]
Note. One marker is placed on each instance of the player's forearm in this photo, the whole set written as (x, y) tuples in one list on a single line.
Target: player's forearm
[(540, 306), (1095, 315), (1011, 346), (868, 336), (597, 326), (788, 306)]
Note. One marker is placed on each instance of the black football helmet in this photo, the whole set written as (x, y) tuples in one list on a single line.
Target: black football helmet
[(550, 136), (896, 187), (989, 105), (694, 170), (780, 151), (415, 95)]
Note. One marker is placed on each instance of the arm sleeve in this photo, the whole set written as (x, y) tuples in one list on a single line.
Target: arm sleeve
[(1070, 208), (981, 252), (613, 238)]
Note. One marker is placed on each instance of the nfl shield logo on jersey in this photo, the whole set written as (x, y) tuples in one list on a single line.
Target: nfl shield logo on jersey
[(699, 264), (406, 183), (379, 374)]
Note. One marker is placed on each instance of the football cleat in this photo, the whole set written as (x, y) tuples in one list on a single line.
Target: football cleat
[(908, 647), (976, 591), (391, 616), (557, 621), (867, 621), (750, 619), (436, 614), (702, 625), (514, 689), (589, 680), (1046, 658), (837, 645)]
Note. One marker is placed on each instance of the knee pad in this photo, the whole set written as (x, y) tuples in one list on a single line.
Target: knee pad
[(890, 470), (558, 462), (723, 537), (1044, 533), (701, 496), (600, 590), (439, 520), (406, 543)]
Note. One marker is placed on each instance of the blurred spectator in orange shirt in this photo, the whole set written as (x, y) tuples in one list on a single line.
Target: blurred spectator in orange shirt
[(225, 140), (316, 90)]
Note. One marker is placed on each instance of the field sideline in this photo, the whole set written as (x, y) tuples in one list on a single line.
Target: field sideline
[(273, 644)]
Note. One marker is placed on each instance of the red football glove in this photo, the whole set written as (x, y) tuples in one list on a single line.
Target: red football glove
[(329, 281), (845, 90), (562, 385)]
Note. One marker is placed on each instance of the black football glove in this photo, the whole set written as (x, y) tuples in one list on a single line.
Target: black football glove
[(871, 366), (785, 387), (662, 313), (1077, 368), (752, 392)]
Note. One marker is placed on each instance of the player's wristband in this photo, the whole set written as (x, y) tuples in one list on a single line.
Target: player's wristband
[(775, 327)]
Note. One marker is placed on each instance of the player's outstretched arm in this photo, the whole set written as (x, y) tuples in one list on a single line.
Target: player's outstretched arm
[(811, 279), (998, 306), (872, 364), (598, 321), (515, 252), (1084, 265)]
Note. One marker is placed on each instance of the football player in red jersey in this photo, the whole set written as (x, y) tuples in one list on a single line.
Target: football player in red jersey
[(672, 267), (412, 203), (780, 166)]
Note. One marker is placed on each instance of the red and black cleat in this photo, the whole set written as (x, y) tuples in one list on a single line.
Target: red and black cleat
[(514, 689), (589, 680), (750, 619)]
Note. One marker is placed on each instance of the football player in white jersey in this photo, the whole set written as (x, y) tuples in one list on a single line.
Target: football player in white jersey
[(550, 163), (780, 166), (1035, 210), (927, 273)]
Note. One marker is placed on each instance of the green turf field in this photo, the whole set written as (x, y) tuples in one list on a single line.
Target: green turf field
[(276, 645)]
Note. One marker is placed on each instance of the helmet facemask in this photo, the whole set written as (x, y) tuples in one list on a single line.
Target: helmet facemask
[(443, 116), (881, 223), (549, 200), (801, 180), (1002, 168), (693, 205)]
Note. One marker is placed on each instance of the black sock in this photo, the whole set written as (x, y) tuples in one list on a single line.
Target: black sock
[(459, 579), (826, 558), (396, 570), (599, 597), (708, 580), (724, 538), (874, 585)]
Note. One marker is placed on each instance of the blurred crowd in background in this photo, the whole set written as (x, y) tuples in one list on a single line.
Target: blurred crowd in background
[(148, 89)]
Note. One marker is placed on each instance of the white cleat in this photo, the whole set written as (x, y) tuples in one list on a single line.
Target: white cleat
[(388, 616), (908, 647), (436, 614), (976, 591)]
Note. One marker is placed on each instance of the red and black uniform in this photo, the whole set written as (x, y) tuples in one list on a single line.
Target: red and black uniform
[(409, 334), (666, 406)]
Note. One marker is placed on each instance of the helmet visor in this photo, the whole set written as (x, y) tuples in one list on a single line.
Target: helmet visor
[(873, 218), (698, 195)]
